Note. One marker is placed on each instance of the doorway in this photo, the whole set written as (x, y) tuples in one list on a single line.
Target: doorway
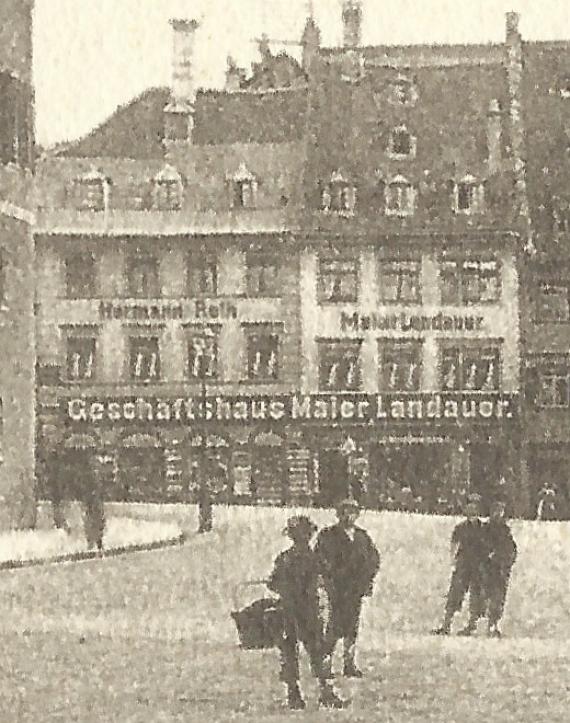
[(333, 477)]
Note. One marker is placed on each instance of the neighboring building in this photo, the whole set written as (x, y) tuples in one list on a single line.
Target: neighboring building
[(166, 276), (17, 356), (415, 218)]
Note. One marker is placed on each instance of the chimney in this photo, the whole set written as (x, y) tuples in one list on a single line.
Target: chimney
[(352, 23), (234, 76), (494, 136), (179, 112)]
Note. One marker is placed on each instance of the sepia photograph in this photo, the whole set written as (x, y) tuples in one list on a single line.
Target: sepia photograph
[(284, 361)]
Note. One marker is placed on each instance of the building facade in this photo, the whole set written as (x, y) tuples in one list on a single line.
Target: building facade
[(17, 355)]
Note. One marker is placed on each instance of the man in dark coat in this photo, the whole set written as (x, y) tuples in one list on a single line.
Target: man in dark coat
[(501, 556), (468, 551), (349, 562), (295, 578)]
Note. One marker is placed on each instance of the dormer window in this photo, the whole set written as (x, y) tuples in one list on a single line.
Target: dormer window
[(469, 196), (400, 197), (403, 91), (338, 196), (244, 186), (92, 191), (402, 144), (167, 190)]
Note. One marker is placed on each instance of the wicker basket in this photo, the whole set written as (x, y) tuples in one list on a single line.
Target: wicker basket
[(260, 624)]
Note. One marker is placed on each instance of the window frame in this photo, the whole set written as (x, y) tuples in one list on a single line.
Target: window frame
[(262, 260), (396, 347), (254, 331), (89, 282), (406, 197), (398, 267), (458, 274), (170, 181), (134, 258), (553, 360), (208, 332), (469, 347), (543, 285), (476, 196), (151, 336), (391, 149), (84, 187), (324, 349), (338, 196), (82, 334), (397, 95), (205, 259), (322, 274)]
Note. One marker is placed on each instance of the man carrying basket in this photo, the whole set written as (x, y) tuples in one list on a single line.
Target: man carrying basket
[(295, 578)]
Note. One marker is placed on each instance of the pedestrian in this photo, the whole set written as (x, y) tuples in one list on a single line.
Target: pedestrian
[(547, 508), (295, 578), (349, 562), (501, 555), (54, 486), (468, 552), (93, 510)]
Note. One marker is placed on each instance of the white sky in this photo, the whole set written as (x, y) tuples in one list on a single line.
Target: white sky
[(92, 55)]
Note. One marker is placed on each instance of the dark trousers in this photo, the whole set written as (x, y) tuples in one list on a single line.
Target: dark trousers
[(94, 512), (58, 513), (466, 578), (343, 623), (497, 585), (312, 641), (205, 516)]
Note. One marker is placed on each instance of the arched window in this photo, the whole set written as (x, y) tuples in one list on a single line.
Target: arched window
[(338, 195), (167, 190), (469, 196), (243, 186), (400, 197)]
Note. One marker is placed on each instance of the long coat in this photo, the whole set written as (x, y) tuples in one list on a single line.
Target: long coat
[(348, 568)]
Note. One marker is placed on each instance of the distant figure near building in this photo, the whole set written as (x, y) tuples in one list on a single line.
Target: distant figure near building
[(468, 550), (501, 556), (349, 563), (93, 509), (548, 504), (295, 578)]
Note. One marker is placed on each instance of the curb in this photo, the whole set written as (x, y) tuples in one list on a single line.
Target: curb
[(94, 554)]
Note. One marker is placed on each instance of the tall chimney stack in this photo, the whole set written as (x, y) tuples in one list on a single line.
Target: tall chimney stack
[(352, 23), (179, 112)]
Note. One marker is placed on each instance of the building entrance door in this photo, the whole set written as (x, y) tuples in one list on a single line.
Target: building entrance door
[(333, 477)]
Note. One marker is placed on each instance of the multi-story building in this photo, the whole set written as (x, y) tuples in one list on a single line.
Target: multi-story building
[(414, 219), (17, 359)]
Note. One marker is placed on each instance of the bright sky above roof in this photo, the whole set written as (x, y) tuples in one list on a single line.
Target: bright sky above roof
[(92, 55)]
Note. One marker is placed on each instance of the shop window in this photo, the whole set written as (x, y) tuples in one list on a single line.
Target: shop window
[(338, 196), (244, 186), (143, 276), (144, 358), (469, 196), (262, 275), (339, 365), (553, 381), (202, 274), (553, 302), (471, 368), (470, 281), (400, 365), (80, 274), (400, 197), (402, 144), (167, 190), (337, 280), (400, 281), (91, 191), (203, 353), (262, 355), (80, 363)]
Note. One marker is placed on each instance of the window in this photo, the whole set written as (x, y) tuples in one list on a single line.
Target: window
[(553, 302), (144, 358), (203, 353), (470, 281), (262, 275), (338, 280), (80, 363), (80, 275), (262, 355), (403, 91), (400, 197), (338, 196), (401, 144), (400, 281), (469, 196), (339, 365), (202, 274), (142, 275), (399, 365), (560, 214), (244, 187), (470, 368), (91, 191), (554, 381), (167, 190)]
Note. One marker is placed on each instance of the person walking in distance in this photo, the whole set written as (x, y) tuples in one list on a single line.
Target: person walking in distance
[(468, 551), (501, 555), (295, 578), (349, 562)]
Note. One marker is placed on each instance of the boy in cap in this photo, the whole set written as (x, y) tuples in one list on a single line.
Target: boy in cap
[(501, 556), (295, 578), (468, 551), (349, 562)]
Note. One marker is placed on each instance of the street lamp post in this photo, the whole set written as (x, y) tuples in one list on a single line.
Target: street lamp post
[(205, 512)]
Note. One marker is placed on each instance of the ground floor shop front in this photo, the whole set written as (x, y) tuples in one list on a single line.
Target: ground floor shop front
[(289, 450)]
